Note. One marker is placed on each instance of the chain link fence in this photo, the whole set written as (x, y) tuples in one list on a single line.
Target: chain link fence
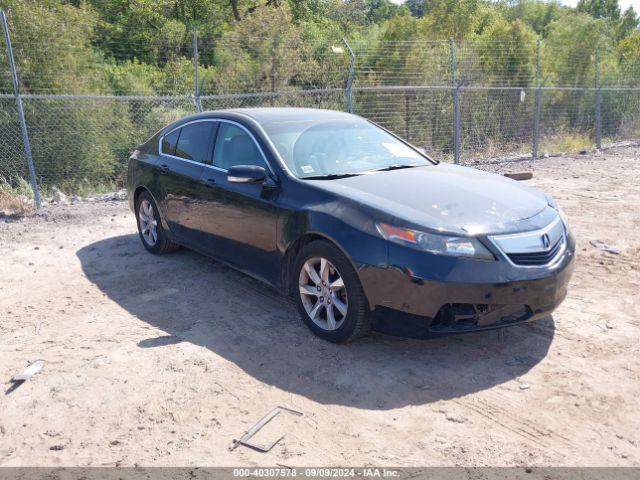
[(462, 102)]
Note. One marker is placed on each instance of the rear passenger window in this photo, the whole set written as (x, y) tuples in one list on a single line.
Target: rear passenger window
[(194, 141), (169, 142)]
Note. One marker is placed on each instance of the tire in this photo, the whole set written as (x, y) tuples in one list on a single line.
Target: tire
[(158, 243), (323, 302)]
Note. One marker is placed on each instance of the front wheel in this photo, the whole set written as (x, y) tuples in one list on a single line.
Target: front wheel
[(328, 293)]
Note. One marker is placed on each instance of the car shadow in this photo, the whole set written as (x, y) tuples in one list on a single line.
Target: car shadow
[(194, 299)]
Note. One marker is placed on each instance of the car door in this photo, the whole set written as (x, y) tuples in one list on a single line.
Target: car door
[(184, 152), (241, 217)]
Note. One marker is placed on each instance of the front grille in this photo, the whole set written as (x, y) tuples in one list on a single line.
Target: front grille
[(536, 258)]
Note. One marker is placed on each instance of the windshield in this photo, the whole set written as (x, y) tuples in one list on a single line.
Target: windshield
[(338, 147)]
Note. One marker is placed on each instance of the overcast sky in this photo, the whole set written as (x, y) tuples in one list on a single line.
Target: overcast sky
[(624, 4)]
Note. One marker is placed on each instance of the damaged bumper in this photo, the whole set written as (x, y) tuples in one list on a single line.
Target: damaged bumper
[(426, 295)]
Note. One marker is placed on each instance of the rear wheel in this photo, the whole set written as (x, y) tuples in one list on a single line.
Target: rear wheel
[(153, 236), (328, 293)]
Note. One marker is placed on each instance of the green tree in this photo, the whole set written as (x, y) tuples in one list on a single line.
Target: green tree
[(600, 8), (628, 24), (67, 64), (418, 8), (379, 11), (536, 14), (348, 14), (506, 51), (453, 18), (569, 51), (629, 58), (132, 77), (73, 141), (264, 52), (146, 30)]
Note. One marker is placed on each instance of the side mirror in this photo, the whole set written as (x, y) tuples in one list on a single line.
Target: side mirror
[(246, 174)]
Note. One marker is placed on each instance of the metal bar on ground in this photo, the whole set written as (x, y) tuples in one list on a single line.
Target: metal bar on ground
[(23, 123), (244, 440)]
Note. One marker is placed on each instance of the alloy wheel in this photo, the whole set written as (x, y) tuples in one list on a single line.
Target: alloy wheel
[(148, 223), (323, 293)]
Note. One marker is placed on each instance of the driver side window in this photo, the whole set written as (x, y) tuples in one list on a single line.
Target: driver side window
[(234, 147)]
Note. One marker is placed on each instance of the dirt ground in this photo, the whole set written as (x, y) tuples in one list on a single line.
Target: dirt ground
[(164, 360)]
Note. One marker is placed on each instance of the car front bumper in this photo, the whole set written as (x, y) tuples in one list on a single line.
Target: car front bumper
[(427, 295)]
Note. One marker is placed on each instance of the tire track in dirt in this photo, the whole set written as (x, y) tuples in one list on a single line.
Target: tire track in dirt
[(514, 423)]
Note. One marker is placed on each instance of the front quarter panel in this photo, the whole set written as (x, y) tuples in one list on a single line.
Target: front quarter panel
[(347, 226)]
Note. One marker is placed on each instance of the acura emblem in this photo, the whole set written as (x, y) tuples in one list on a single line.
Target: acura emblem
[(545, 241)]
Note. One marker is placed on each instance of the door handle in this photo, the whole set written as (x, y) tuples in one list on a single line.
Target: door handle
[(210, 182), (163, 169)]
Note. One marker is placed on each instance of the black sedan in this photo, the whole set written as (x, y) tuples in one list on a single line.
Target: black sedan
[(361, 228)]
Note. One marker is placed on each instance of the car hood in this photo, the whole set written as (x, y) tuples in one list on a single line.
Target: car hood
[(444, 197)]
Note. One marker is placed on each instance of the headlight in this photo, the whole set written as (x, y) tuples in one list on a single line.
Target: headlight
[(435, 243), (553, 204), (563, 217)]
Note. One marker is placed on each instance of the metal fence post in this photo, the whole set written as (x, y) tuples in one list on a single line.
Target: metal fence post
[(348, 89), (456, 104), (23, 123), (598, 99), (407, 115), (196, 83), (538, 102)]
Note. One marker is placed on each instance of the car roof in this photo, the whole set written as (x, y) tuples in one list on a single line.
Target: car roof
[(291, 114), (264, 115), (271, 114)]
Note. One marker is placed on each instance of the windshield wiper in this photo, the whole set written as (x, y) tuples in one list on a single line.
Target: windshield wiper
[(330, 176), (395, 167)]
